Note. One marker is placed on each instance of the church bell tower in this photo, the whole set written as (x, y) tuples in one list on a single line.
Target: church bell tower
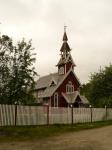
[(66, 62)]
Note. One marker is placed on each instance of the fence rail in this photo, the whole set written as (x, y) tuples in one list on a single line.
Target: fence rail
[(11, 115)]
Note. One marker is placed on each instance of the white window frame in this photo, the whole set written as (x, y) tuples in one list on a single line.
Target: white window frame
[(61, 70), (69, 87), (56, 99)]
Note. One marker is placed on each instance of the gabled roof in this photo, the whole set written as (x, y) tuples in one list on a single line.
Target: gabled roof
[(44, 82), (66, 75), (84, 99), (71, 97), (65, 47), (64, 61), (61, 61), (49, 91)]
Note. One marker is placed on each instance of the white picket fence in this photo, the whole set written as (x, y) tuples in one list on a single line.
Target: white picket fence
[(41, 115)]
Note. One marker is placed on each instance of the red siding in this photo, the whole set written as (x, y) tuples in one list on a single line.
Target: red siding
[(62, 88), (68, 66)]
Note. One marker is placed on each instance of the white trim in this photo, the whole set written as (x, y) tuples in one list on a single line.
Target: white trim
[(69, 87), (65, 97), (56, 99)]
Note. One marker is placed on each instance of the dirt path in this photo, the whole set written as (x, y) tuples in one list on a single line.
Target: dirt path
[(95, 139)]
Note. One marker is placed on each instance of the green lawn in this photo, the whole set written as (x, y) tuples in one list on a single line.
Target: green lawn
[(39, 132)]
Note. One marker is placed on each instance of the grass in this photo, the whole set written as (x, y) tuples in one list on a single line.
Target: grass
[(20, 133)]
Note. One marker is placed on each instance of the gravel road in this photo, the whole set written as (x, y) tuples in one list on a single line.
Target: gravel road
[(93, 139)]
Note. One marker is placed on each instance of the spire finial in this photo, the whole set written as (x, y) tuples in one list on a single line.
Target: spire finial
[(65, 35), (65, 28)]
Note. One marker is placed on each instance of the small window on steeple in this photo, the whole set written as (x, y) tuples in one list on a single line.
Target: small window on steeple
[(61, 70)]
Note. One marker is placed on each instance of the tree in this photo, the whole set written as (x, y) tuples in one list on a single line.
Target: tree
[(6, 49), (99, 91), (18, 65)]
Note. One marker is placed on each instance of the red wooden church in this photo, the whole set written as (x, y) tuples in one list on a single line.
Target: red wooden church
[(62, 88)]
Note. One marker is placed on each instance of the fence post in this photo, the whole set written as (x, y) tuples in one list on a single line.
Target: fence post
[(105, 112), (72, 114), (15, 113), (91, 113), (47, 114)]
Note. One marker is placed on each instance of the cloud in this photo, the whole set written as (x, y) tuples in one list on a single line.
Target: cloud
[(89, 31)]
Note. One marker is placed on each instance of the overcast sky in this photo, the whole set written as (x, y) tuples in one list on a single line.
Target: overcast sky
[(89, 31)]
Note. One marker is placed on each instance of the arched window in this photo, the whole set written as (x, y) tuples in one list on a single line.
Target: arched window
[(69, 87), (56, 100)]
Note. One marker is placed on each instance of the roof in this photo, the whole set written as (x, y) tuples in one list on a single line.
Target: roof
[(71, 97), (84, 99), (64, 61), (44, 82), (65, 47), (48, 91), (61, 61), (65, 37)]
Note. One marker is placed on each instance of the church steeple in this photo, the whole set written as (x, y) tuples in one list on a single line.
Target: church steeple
[(66, 61), (65, 49), (65, 38)]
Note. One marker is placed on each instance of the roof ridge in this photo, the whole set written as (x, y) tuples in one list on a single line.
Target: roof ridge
[(48, 75)]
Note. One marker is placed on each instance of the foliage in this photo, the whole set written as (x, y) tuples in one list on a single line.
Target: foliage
[(99, 88), (84, 89), (16, 71), (6, 49)]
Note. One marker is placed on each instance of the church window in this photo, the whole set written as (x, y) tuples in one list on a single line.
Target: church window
[(56, 100), (61, 70), (69, 87)]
